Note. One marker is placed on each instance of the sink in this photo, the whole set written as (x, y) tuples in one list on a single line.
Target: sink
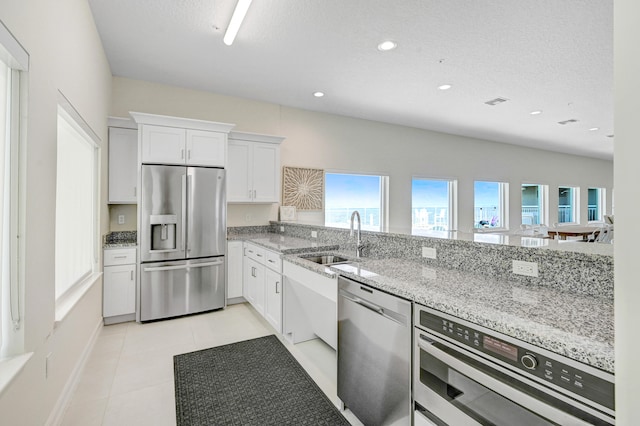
[(327, 259)]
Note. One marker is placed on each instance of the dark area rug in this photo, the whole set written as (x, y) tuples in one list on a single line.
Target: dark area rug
[(254, 382)]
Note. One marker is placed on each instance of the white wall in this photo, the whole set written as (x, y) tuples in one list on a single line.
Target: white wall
[(627, 176), (339, 143), (66, 55)]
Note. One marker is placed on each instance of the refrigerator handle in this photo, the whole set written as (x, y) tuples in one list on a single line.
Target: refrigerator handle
[(193, 265), (184, 212)]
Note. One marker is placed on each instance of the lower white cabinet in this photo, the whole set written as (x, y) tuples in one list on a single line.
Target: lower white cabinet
[(119, 285), (262, 283)]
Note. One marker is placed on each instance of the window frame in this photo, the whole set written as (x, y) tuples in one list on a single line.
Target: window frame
[(452, 204), (503, 207), (383, 205), (601, 204), (543, 215), (575, 199), (67, 299)]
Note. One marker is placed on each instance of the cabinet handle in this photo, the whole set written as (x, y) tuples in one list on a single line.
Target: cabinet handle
[(182, 154), (131, 275), (254, 194), (259, 255), (250, 197), (277, 282), (270, 260), (188, 154), (135, 191), (119, 257)]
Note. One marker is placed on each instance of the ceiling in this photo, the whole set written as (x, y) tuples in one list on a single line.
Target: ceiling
[(548, 55)]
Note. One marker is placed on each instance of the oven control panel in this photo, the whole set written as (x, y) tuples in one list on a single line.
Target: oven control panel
[(523, 359)]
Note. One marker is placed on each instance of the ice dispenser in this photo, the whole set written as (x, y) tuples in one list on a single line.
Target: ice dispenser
[(163, 232)]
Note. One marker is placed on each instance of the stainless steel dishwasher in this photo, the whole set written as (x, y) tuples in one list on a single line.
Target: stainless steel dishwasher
[(374, 354)]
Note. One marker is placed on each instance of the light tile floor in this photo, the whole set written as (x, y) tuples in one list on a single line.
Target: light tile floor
[(128, 379)]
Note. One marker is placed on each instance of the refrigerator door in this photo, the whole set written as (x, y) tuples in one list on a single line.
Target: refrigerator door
[(163, 210), (207, 212), (169, 289)]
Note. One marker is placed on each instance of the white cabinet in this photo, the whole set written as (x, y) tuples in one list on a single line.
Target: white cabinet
[(119, 285), (175, 140), (273, 299), (171, 145), (253, 168), (234, 270), (123, 165), (263, 283)]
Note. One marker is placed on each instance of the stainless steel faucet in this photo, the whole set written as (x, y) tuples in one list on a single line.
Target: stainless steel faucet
[(359, 244)]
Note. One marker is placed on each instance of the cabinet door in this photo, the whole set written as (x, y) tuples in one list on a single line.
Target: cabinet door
[(273, 299), (266, 173), (254, 280), (206, 148), (239, 176), (234, 269), (123, 165), (119, 290), (163, 145)]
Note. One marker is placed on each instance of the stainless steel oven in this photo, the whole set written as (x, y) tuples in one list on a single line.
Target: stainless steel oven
[(466, 374)]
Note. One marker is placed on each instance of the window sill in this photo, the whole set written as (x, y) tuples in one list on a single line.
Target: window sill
[(65, 304), (10, 368)]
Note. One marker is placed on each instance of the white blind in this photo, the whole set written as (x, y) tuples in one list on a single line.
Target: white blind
[(75, 205), (5, 137)]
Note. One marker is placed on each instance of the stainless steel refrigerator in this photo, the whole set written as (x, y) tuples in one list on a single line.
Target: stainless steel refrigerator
[(182, 240)]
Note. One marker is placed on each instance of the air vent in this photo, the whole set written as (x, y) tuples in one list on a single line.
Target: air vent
[(573, 120), (496, 101), (609, 136)]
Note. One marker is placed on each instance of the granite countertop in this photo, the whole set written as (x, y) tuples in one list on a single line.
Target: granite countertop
[(120, 239), (283, 244), (580, 327), (576, 326)]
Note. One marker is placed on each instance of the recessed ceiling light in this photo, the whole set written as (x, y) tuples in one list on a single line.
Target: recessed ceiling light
[(593, 129), (318, 94), (387, 45), (444, 87), (536, 112)]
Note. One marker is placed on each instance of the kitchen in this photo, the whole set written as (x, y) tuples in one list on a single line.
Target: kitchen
[(91, 71)]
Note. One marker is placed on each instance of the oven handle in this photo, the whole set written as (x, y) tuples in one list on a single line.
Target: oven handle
[(497, 386)]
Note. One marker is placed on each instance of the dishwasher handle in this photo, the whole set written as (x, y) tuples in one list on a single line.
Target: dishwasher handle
[(389, 314)]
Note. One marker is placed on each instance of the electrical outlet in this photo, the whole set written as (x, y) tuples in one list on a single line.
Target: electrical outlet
[(282, 229), (120, 219), (429, 252), (530, 269), (314, 234)]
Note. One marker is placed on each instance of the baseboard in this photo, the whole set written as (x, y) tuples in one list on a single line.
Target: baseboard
[(56, 415), (119, 318), (236, 300)]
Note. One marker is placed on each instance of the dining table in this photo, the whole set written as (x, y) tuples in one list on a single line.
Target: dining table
[(573, 231)]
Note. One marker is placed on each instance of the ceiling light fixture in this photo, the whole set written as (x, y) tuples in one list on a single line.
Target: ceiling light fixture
[(593, 129), (236, 21), (536, 112), (445, 87), (318, 94), (387, 45)]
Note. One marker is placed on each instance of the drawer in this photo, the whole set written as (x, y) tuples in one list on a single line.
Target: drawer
[(254, 252), (273, 261), (119, 256)]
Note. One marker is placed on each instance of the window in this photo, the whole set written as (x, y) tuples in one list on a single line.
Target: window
[(345, 193), (596, 204), (76, 203), (533, 204), (432, 205), (14, 61), (490, 201), (567, 204)]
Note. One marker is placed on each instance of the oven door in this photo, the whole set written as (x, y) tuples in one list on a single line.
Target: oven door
[(455, 387)]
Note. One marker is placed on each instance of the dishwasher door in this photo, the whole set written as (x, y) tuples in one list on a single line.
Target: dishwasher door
[(374, 354)]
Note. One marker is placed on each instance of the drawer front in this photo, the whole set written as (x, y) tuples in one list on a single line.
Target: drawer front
[(119, 256), (273, 261), (254, 252)]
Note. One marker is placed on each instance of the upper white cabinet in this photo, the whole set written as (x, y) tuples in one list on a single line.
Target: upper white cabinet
[(173, 140), (123, 165), (253, 162)]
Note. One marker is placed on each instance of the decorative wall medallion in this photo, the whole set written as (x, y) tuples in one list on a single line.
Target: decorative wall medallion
[(303, 188)]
